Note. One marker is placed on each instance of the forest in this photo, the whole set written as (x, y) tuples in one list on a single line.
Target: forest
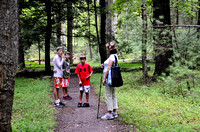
[(159, 55)]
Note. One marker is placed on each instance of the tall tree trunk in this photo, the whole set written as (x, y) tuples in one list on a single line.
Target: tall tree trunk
[(58, 19), (96, 25), (144, 41), (48, 37), (21, 62), (177, 14), (39, 47), (69, 29), (198, 23), (90, 50), (102, 46), (163, 42), (8, 59)]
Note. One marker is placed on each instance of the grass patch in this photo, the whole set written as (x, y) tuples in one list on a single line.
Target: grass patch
[(151, 110), (32, 64), (31, 107)]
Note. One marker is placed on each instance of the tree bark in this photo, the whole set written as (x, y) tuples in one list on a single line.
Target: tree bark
[(198, 23), (102, 45), (39, 47), (21, 62), (9, 30), (89, 45), (163, 42), (177, 14), (96, 24), (69, 29), (144, 41), (48, 37), (58, 18)]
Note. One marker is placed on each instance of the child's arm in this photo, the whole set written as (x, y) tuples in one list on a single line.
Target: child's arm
[(89, 75), (79, 79), (90, 71)]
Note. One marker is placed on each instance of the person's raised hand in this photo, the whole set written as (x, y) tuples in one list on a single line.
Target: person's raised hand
[(102, 65)]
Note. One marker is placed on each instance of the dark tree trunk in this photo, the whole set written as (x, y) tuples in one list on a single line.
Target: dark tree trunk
[(48, 37), (21, 62), (69, 29), (102, 45), (58, 18), (198, 23), (89, 45), (177, 15), (96, 26), (163, 40), (144, 41), (39, 47), (8, 59)]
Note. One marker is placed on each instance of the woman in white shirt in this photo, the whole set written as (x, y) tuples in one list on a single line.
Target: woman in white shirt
[(110, 92)]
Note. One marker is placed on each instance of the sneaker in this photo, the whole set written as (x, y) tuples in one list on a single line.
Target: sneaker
[(79, 104), (86, 105), (59, 105), (67, 97), (115, 115), (107, 116)]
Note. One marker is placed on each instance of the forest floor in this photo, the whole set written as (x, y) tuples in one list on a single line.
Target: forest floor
[(84, 119)]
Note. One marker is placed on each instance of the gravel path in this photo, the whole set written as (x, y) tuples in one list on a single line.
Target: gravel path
[(74, 119)]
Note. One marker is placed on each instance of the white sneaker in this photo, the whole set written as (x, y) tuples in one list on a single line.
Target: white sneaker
[(107, 116)]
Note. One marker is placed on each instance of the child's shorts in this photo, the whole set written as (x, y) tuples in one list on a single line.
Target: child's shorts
[(58, 82), (65, 82), (85, 89)]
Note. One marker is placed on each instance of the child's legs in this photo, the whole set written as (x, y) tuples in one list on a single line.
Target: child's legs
[(65, 91), (56, 93), (81, 96), (87, 91), (65, 85), (87, 97), (57, 86)]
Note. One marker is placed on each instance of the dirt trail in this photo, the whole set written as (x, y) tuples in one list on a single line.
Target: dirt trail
[(74, 119)]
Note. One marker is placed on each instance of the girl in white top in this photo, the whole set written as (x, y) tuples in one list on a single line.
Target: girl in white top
[(110, 92)]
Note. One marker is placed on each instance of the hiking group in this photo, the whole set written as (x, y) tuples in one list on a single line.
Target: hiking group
[(84, 71)]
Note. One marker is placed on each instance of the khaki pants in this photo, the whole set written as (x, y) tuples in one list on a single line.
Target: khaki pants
[(111, 98)]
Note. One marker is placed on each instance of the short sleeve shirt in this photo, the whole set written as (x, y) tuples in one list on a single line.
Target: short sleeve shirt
[(66, 69), (111, 58), (84, 71)]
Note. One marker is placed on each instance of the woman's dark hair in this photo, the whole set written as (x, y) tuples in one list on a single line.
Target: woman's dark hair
[(113, 51), (112, 47)]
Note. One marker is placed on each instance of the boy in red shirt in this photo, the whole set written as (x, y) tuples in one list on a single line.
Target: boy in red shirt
[(84, 72)]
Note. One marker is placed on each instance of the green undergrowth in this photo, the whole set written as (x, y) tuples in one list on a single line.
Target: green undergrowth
[(31, 107), (32, 64), (149, 109)]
